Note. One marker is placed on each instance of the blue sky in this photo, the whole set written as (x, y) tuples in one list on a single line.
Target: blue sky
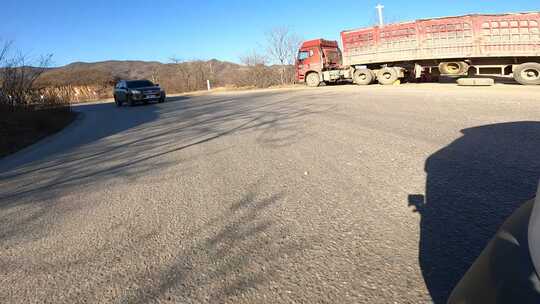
[(96, 30)]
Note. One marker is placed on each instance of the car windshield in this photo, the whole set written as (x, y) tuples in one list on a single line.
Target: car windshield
[(139, 84)]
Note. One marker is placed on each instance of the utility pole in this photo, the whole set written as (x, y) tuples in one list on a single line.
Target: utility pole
[(379, 8)]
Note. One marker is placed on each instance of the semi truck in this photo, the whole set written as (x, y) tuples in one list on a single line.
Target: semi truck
[(501, 45)]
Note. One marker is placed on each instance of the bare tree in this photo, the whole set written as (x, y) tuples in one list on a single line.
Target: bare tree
[(253, 58), (281, 46), (182, 81), (192, 75), (176, 60), (3, 51), (258, 73), (18, 78), (155, 75)]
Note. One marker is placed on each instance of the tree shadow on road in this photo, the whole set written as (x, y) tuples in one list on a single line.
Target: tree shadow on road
[(238, 255), (135, 142), (225, 258), (472, 186)]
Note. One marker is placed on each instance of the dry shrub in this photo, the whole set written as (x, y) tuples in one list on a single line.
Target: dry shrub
[(80, 93), (18, 89)]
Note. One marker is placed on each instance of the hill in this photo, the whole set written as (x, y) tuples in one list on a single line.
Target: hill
[(108, 72)]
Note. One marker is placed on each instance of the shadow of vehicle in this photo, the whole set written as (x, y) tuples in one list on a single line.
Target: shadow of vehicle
[(472, 186)]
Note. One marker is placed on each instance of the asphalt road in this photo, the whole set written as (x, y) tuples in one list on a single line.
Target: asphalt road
[(339, 194)]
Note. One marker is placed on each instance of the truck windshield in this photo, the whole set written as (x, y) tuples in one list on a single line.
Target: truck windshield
[(303, 55), (139, 84), (332, 55)]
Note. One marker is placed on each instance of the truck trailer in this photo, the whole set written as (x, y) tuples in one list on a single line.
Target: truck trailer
[(501, 45)]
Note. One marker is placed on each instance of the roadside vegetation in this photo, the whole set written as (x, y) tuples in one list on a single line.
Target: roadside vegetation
[(35, 99), (271, 64), (28, 111)]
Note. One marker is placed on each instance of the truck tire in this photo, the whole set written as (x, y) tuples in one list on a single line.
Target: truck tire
[(363, 76), (387, 76), (475, 82), (453, 68), (527, 73), (313, 80)]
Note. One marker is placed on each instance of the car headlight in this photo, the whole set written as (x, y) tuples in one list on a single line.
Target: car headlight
[(135, 92)]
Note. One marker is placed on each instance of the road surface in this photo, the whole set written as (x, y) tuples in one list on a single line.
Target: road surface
[(339, 194)]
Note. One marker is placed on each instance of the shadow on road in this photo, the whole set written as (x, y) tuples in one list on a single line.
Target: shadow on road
[(112, 144), (472, 186), (240, 253), (221, 259)]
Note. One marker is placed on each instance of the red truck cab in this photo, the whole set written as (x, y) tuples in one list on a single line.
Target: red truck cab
[(316, 56)]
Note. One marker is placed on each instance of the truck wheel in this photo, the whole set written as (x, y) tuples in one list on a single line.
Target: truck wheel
[(453, 68), (363, 76), (387, 76), (527, 73), (312, 80)]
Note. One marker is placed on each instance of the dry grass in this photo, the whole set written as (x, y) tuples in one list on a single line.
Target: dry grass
[(20, 128)]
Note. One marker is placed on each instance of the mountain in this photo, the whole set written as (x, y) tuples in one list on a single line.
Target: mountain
[(108, 72)]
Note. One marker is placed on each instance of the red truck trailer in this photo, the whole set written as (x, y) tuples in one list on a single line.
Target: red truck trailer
[(504, 45)]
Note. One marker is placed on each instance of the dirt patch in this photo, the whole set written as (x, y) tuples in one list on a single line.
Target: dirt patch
[(21, 128)]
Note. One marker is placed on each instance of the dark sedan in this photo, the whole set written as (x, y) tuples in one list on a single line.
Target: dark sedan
[(133, 91)]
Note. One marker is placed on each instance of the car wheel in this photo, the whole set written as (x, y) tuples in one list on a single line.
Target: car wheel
[(162, 99), (130, 101), (117, 102)]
